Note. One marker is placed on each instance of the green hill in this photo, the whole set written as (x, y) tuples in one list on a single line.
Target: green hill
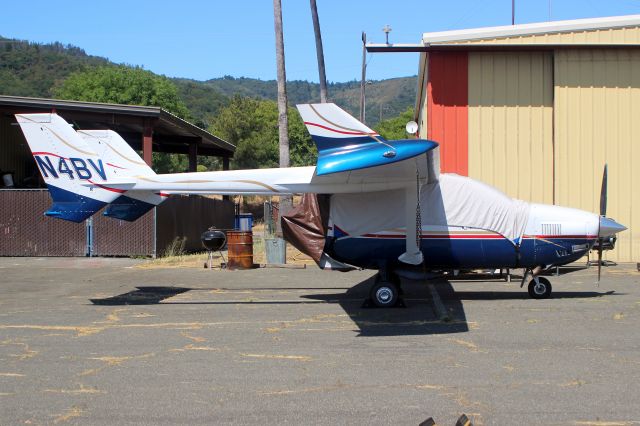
[(32, 69), (385, 98)]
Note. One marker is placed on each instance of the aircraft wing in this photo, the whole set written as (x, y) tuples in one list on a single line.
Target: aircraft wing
[(351, 158)]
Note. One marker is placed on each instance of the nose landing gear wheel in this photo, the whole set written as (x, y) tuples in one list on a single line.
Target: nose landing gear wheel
[(540, 289), (384, 294)]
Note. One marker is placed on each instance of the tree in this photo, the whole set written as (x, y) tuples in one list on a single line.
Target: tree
[(394, 128), (129, 86), (122, 85), (252, 125)]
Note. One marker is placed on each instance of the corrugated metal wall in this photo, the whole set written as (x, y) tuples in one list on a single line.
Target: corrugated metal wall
[(597, 120), (511, 122), (447, 109)]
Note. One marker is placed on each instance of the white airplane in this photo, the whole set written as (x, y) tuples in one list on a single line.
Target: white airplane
[(390, 208)]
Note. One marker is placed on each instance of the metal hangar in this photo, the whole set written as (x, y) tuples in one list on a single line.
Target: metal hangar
[(537, 110)]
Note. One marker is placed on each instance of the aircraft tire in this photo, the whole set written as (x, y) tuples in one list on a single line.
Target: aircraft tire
[(541, 290), (384, 294), (395, 279)]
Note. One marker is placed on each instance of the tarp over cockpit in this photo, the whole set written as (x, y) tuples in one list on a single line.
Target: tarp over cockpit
[(452, 201)]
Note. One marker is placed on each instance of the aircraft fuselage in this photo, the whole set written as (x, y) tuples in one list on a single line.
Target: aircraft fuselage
[(554, 235)]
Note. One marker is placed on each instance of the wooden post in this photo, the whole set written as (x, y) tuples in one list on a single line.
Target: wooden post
[(193, 157), (225, 166), (147, 143)]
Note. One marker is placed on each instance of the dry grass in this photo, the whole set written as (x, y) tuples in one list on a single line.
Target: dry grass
[(176, 259)]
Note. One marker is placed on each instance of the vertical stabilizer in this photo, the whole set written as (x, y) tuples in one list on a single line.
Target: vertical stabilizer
[(332, 127), (123, 161)]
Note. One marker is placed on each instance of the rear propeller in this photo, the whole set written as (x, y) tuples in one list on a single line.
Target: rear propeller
[(603, 213)]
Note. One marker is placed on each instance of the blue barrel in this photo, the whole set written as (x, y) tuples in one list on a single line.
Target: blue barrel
[(243, 222)]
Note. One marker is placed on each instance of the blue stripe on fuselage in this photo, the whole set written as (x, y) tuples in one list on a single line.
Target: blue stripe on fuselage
[(458, 253), (553, 250), (453, 253)]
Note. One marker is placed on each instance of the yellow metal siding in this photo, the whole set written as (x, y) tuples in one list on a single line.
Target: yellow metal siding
[(623, 35), (511, 122), (597, 120)]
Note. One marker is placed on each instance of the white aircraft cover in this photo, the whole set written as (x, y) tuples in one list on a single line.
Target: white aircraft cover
[(453, 201)]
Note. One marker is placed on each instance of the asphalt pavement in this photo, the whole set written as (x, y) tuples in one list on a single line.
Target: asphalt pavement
[(104, 341)]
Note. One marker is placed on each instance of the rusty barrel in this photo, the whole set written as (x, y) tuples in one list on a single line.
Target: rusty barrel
[(240, 245)]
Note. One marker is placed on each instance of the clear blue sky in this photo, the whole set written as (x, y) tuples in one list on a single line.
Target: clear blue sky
[(208, 39)]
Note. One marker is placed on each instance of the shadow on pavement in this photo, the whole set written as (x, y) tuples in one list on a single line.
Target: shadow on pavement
[(510, 295), (141, 296), (415, 317), (447, 293)]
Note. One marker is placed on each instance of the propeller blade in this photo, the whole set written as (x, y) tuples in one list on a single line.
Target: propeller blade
[(603, 193)]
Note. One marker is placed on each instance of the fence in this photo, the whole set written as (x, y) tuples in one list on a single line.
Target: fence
[(25, 231), (189, 217)]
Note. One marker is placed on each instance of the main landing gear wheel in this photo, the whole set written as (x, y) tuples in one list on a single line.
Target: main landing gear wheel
[(384, 294), (540, 289)]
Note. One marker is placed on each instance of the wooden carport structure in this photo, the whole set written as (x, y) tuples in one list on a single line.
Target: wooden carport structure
[(27, 232), (147, 129)]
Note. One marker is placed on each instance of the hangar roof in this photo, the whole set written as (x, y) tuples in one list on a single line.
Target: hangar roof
[(615, 31), (539, 28), (170, 133)]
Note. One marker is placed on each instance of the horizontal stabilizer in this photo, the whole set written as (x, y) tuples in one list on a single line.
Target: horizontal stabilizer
[(127, 208), (72, 206)]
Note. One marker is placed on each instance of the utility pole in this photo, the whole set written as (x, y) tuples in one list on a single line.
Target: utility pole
[(364, 75), (319, 52), (283, 120), (513, 12)]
